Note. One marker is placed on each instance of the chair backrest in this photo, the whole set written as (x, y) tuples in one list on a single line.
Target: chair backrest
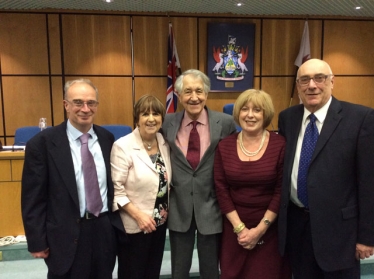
[(118, 130), (23, 134), (228, 109)]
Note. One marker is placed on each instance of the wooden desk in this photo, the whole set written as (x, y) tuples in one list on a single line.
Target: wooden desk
[(11, 165)]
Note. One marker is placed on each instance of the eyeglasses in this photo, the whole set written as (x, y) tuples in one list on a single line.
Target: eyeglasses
[(80, 103), (305, 80)]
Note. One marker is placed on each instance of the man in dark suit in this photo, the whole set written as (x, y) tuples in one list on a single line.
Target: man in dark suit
[(193, 204), (75, 243), (327, 231)]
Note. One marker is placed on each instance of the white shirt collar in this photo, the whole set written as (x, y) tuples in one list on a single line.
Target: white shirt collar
[(320, 114)]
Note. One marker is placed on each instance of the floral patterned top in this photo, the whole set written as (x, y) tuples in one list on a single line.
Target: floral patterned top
[(160, 212)]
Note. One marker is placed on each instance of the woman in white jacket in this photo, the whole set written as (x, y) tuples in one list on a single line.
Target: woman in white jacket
[(141, 172)]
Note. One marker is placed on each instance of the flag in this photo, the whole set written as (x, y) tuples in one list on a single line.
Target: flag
[(173, 72), (304, 52)]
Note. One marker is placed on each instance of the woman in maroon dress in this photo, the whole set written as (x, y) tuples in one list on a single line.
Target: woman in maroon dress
[(248, 173)]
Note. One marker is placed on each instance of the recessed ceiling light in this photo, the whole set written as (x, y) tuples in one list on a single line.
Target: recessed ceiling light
[(239, 4), (108, 1), (358, 8)]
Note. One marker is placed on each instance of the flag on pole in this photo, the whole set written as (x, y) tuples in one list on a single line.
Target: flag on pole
[(173, 72), (304, 52)]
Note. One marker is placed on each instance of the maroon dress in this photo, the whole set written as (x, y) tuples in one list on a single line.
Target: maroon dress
[(250, 188)]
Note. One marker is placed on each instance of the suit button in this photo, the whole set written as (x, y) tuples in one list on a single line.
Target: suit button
[(191, 193), (78, 221), (194, 175), (76, 241)]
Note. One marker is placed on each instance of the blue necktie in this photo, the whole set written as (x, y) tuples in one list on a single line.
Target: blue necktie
[(307, 149)]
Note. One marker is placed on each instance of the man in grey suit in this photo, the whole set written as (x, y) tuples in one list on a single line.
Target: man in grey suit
[(193, 204), (327, 231)]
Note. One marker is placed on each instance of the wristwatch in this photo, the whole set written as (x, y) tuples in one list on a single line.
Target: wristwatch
[(267, 222)]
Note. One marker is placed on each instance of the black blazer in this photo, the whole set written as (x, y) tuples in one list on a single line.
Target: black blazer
[(340, 182), (49, 199)]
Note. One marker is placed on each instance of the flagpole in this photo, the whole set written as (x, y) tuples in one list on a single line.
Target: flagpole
[(303, 55)]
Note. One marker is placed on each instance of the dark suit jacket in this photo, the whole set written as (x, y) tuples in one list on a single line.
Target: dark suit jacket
[(50, 206), (340, 182), (192, 191)]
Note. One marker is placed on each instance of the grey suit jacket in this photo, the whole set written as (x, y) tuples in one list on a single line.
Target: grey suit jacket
[(192, 191), (340, 182), (50, 205)]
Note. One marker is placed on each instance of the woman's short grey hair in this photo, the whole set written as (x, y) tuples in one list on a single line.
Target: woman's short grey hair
[(70, 83), (196, 74)]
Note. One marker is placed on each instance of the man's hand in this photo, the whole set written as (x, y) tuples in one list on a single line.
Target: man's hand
[(363, 251), (43, 254)]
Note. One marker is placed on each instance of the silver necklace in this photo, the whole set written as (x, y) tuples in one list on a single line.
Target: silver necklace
[(245, 151), (149, 146), (146, 144)]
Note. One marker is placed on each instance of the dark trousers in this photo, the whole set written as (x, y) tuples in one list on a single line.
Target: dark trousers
[(182, 245), (300, 250), (140, 257), (95, 257)]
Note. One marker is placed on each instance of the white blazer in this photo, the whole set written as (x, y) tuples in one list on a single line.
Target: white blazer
[(134, 176)]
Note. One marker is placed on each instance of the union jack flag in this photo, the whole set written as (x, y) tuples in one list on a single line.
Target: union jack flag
[(173, 72)]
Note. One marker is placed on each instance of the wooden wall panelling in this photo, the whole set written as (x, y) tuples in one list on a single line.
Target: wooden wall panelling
[(57, 101), (2, 130), (96, 45), (186, 40), (150, 45), (26, 99), (216, 100), (23, 44), (54, 43), (10, 221), (281, 44), (5, 173), (151, 39), (203, 40), (349, 47), (115, 100), (279, 88), (356, 90), (155, 86)]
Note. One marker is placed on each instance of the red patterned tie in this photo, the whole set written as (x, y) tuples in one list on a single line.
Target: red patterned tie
[(193, 151), (91, 184)]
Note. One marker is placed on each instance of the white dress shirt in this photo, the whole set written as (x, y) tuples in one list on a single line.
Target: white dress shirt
[(321, 116), (95, 149)]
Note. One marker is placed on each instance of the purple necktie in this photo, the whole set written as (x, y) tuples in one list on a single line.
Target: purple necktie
[(307, 149), (193, 151), (91, 184)]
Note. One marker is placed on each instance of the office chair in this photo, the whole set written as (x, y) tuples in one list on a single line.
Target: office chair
[(23, 134), (228, 109), (118, 130)]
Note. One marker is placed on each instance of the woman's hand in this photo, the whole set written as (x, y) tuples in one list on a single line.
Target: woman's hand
[(248, 238), (145, 222)]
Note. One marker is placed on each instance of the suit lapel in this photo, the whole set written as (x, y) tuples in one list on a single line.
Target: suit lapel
[(215, 128), (61, 154), (295, 119), (175, 124), (331, 122)]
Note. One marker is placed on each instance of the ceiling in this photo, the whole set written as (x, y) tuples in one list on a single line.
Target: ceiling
[(249, 7)]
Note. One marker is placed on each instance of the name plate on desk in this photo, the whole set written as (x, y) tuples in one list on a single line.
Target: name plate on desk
[(12, 147)]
